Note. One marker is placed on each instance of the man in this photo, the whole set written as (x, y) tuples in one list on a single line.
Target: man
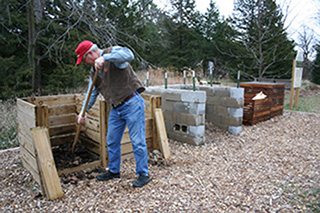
[(121, 88)]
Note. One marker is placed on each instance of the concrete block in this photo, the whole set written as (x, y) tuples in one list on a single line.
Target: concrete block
[(169, 125), (154, 90), (211, 109), (168, 115), (236, 92), (189, 119), (196, 131), (223, 111), (193, 96), (222, 126), (172, 95), (184, 138), (232, 102), (235, 112), (222, 92), (183, 107), (214, 100), (197, 108), (234, 129), (234, 121), (214, 118), (167, 105), (210, 91)]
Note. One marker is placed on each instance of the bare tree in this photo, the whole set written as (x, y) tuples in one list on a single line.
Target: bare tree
[(306, 41)]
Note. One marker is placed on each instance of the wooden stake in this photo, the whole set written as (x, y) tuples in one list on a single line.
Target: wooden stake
[(296, 97), (292, 84), (103, 128)]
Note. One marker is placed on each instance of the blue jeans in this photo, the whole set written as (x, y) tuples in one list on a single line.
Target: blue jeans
[(131, 114)]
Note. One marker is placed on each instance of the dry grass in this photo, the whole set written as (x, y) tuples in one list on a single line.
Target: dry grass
[(8, 124), (157, 77)]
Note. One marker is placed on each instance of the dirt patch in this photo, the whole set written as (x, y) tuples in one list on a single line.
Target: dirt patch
[(269, 167)]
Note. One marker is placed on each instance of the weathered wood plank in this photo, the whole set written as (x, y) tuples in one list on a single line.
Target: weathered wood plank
[(78, 168), (56, 141), (29, 159), (93, 135), (90, 145), (92, 124), (62, 130), (103, 132), (62, 120), (25, 106), (26, 142), (52, 100), (162, 134), (62, 109), (46, 164), (42, 113), (28, 120), (94, 112)]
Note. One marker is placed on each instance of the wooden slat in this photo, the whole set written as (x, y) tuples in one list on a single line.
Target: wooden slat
[(90, 145), (25, 106), (102, 131), (46, 164), (92, 134), (26, 119), (92, 124), (56, 141), (62, 130), (155, 104), (92, 112), (42, 113), (30, 163), (61, 120), (52, 100), (125, 137), (162, 134), (78, 168), (62, 109), (26, 142)]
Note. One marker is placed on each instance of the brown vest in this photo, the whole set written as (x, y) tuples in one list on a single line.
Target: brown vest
[(116, 84)]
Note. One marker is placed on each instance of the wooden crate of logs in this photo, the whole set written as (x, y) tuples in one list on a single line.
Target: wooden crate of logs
[(255, 111), (58, 115)]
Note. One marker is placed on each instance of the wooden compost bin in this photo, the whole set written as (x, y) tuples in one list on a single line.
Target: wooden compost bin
[(255, 111), (59, 115)]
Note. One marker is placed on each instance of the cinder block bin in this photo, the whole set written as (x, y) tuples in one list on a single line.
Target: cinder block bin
[(59, 115)]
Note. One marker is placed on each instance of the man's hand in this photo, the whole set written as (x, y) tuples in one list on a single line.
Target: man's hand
[(81, 119), (98, 63)]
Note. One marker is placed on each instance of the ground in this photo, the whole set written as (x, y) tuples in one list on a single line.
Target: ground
[(273, 166)]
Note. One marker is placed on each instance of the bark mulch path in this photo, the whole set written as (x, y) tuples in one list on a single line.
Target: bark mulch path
[(273, 166)]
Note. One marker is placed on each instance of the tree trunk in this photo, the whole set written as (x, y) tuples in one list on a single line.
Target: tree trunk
[(32, 48)]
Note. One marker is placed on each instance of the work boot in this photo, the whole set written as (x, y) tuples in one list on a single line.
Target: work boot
[(142, 180), (108, 176)]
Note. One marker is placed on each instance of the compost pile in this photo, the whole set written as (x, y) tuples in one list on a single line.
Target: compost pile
[(273, 166), (64, 158)]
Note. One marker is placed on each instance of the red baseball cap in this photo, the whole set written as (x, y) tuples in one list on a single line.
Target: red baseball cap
[(82, 48)]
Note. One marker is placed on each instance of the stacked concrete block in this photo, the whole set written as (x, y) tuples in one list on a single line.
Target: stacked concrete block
[(184, 113), (224, 107)]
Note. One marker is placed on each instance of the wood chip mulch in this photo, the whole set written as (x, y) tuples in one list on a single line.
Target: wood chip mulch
[(273, 166)]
